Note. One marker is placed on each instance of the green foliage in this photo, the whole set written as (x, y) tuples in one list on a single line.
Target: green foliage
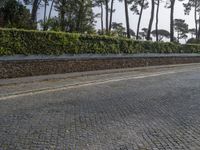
[(191, 48), (75, 15), (181, 28), (15, 15), (193, 41), (161, 34), (13, 41)]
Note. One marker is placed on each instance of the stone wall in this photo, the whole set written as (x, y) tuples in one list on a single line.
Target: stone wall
[(34, 67)]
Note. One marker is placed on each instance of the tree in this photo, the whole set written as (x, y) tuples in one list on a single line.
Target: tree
[(60, 6), (157, 18), (76, 15), (100, 3), (143, 34), (126, 2), (35, 7), (132, 33), (45, 11), (181, 28), (108, 11), (192, 32), (52, 24), (107, 15), (151, 20), (15, 15), (171, 5), (51, 8), (118, 28), (3, 2), (111, 14), (127, 18), (143, 4), (196, 5), (161, 33)]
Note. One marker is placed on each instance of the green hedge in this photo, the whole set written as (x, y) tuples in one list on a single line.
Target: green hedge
[(191, 48), (13, 41)]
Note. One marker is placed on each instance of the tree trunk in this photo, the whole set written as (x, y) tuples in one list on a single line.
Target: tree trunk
[(195, 17), (151, 20), (79, 17), (127, 18), (102, 18), (107, 28), (172, 21), (111, 14), (139, 20), (51, 9), (34, 13), (45, 12), (199, 28), (62, 16), (157, 15)]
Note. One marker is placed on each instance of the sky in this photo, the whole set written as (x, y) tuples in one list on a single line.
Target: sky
[(164, 16)]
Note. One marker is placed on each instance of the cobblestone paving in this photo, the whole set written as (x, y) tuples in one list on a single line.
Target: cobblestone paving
[(155, 113)]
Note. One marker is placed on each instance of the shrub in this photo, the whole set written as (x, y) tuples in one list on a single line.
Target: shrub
[(191, 48), (193, 41), (14, 41)]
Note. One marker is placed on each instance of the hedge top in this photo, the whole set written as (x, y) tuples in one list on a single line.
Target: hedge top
[(28, 42)]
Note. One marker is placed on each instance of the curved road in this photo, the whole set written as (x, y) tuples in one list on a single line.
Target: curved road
[(144, 109)]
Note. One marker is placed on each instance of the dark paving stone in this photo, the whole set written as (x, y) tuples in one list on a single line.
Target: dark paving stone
[(155, 113)]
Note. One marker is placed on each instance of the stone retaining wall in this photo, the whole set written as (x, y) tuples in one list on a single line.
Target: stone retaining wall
[(34, 67)]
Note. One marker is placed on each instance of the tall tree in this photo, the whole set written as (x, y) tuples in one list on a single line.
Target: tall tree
[(107, 15), (172, 20), (45, 14), (60, 6), (143, 4), (15, 15), (157, 18), (127, 18), (100, 3), (111, 14), (75, 15), (102, 28), (51, 8), (181, 28), (35, 7), (151, 20), (126, 3), (196, 5), (171, 5)]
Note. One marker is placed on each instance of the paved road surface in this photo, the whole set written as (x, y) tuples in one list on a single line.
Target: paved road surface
[(146, 109)]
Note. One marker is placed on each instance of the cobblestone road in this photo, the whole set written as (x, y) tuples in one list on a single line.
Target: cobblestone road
[(154, 113)]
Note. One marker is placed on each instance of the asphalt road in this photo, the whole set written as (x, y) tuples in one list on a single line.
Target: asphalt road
[(146, 109)]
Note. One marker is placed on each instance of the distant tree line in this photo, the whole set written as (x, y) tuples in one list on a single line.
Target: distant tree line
[(78, 16)]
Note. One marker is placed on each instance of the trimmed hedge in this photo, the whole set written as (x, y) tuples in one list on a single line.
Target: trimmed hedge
[(193, 41), (191, 48), (14, 41)]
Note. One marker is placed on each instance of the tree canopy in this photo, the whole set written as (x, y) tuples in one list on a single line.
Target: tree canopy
[(161, 34)]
